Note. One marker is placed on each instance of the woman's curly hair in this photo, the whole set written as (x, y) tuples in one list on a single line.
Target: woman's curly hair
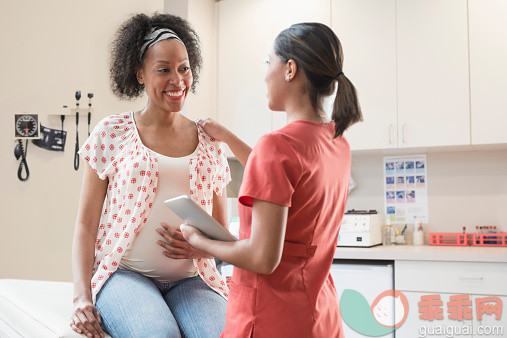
[(126, 48)]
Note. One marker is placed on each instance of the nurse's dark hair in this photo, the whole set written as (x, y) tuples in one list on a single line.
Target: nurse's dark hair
[(317, 51), (126, 48)]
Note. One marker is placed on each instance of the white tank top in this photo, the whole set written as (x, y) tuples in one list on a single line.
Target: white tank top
[(145, 255)]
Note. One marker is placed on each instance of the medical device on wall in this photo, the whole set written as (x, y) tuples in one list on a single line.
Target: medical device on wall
[(26, 126), (76, 112), (76, 155), (90, 96), (51, 139)]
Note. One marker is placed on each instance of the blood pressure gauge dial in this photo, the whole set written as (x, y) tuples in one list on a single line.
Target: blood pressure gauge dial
[(27, 126)]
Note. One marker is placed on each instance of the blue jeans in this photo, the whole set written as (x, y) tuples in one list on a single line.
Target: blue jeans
[(132, 305)]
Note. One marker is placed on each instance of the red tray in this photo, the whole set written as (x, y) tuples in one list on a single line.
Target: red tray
[(455, 239), (475, 239)]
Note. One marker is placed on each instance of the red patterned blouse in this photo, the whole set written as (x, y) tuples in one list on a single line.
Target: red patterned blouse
[(115, 151)]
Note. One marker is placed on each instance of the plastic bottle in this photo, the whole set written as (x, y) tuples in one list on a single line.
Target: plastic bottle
[(418, 236), (388, 233)]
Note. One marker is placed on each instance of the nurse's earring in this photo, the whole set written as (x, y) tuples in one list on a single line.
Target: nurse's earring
[(290, 70)]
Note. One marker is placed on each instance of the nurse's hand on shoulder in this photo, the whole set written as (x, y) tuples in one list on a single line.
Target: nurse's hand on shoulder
[(214, 129), (176, 246)]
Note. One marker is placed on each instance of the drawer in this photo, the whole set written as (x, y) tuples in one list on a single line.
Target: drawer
[(451, 277)]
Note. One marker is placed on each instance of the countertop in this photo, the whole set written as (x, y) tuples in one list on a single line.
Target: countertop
[(425, 253)]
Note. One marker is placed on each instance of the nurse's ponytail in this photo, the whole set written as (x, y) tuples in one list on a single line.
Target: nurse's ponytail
[(318, 52)]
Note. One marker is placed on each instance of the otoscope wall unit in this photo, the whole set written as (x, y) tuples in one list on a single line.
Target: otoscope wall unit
[(76, 111), (67, 111)]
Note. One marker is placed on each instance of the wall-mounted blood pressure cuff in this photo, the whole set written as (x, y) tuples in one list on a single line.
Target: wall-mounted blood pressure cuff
[(52, 139)]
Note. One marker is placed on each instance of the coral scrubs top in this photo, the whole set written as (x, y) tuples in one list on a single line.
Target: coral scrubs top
[(303, 167)]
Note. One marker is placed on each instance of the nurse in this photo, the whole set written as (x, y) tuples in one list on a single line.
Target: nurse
[(293, 195)]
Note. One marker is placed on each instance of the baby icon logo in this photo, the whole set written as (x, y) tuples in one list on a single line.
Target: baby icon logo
[(387, 312)]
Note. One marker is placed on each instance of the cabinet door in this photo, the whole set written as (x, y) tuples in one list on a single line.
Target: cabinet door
[(367, 31), (488, 73), (433, 77), (489, 326), (414, 326), (368, 279), (246, 31)]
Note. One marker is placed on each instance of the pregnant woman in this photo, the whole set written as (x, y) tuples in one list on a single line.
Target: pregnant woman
[(128, 280)]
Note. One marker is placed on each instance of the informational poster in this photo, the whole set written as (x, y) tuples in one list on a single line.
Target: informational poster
[(406, 188)]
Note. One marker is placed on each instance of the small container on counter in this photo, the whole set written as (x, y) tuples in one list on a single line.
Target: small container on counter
[(400, 237), (418, 235), (388, 236)]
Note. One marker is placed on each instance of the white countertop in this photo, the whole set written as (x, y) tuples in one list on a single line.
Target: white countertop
[(425, 253)]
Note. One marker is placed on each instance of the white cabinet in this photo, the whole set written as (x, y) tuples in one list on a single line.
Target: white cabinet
[(409, 62), (414, 326), (368, 278), (367, 31), (433, 82), (428, 72), (246, 31), (488, 72), (445, 280), (489, 326)]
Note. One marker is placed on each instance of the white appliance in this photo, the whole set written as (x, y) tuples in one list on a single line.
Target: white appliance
[(361, 228), (369, 279)]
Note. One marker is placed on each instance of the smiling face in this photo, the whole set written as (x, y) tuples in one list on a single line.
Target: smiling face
[(166, 75)]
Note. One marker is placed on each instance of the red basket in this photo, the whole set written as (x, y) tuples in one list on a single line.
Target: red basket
[(489, 239), (456, 239)]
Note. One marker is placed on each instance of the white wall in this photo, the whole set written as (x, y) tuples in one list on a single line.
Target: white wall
[(465, 188), (49, 50), (201, 14)]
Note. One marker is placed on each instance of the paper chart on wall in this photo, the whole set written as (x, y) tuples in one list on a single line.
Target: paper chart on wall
[(406, 188)]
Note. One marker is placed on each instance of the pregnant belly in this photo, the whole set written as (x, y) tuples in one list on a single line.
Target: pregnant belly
[(146, 257)]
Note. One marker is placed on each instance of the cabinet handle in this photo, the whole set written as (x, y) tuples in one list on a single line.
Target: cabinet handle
[(471, 278), (403, 132), (391, 134)]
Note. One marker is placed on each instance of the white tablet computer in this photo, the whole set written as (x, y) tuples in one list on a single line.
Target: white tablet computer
[(191, 213)]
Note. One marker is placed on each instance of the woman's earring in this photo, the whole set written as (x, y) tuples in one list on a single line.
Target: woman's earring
[(287, 77)]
